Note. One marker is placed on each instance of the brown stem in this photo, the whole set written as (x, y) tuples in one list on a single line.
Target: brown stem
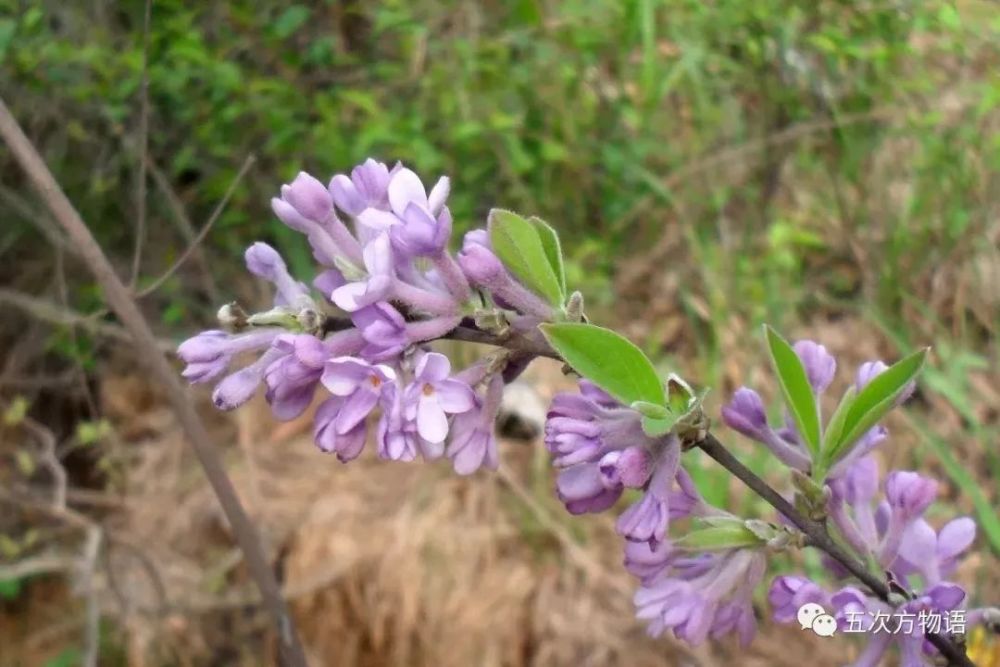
[(124, 306)]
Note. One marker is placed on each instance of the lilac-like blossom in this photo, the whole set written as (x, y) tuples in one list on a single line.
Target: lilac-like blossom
[(433, 395), (473, 436), (704, 596)]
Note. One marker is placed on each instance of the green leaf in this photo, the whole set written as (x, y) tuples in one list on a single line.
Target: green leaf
[(553, 250), (651, 410), (875, 400), (795, 387), (608, 360), (10, 588), (719, 536), (517, 243), (654, 427), (289, 21)]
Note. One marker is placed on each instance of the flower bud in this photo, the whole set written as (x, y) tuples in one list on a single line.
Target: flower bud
[(819, 364), (308, 197), (910, 493), (745, 413), (481, 266), (206, 346), (237, 389), (265, 262)]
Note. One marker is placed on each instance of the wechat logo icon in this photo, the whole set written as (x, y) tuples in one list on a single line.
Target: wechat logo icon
[(813, 617)]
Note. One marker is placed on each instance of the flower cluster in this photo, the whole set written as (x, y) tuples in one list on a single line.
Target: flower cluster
[(388, 284), (381, 242), (890, 531), (601, 449)]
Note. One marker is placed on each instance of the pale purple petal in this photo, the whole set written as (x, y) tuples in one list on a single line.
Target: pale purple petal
[(432, 367), (454, 396), (432, 423), (405, 187)]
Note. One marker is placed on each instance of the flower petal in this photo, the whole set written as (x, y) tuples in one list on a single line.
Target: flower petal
[(405, 187), (432, 367), (455, 396), (432, 423)]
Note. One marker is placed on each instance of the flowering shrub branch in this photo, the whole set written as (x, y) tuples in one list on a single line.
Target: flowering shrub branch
[(388, 285)]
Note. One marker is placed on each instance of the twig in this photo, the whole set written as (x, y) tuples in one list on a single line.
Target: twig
[(55, 314), (51, 460), (196, 241), (36, 565), (92, 628), (140, 226), (128, 312), (819, 537), (184, 224)]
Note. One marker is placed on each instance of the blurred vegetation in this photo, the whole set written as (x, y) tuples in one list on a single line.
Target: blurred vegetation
[(810, 155)]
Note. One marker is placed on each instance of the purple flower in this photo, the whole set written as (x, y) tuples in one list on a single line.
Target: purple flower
[(582, 488), (291, 380), (909, 493), (405, 188), (383, 329), (397, 436), (360, 384), (486, 271), (378, 282), (473, 441), (308, 197), (432, 396), (327, 281), (710, 599), (237, 388), (306, 206), (646, 561), (855, 610), (788, 593), (209, 354), (366, 188), (421, 234), (934, 554), (745, 414), (647, 520), (348, 445), (630, 467), (579, 429), (819, 364), (264, 262)]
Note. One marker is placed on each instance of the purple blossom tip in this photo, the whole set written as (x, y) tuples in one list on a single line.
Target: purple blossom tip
[(909, 492), (819, 364), (745, 413), (308, 197), (264, 261)]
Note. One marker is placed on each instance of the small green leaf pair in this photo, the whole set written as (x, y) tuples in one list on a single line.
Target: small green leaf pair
[(620, 368), (858, 411), (529, 248)]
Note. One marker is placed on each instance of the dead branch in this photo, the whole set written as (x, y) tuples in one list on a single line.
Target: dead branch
[(124, 306)]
